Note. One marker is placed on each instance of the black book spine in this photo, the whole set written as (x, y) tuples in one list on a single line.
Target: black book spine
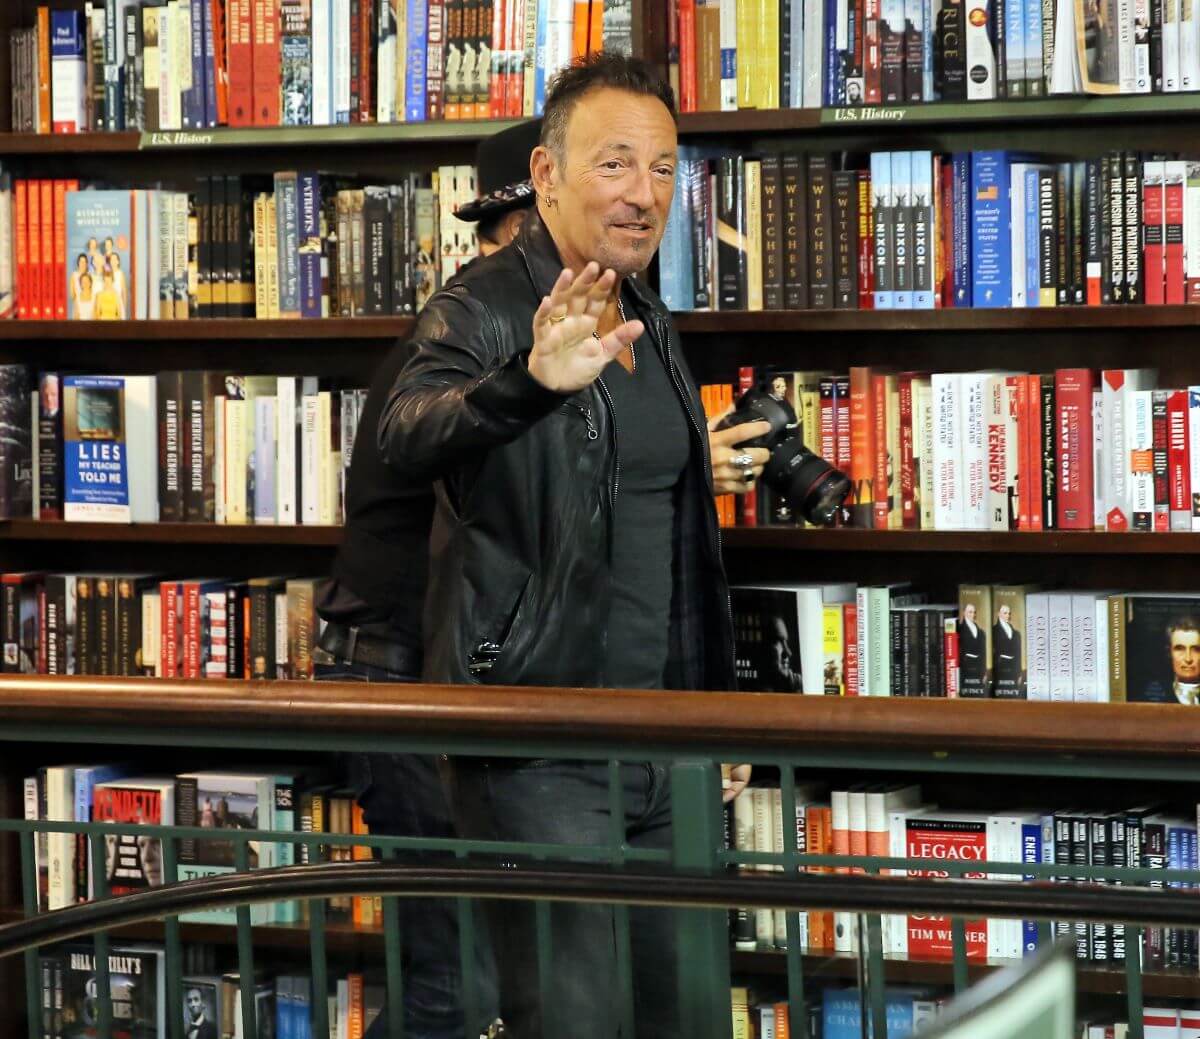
[(1119, 837), (785, 57), (772, 232), (1100, 936), (204, 247), (104, 592), (845, 240), (1049, 442), (10, 599), (1081, 856), (396, 232), (1062, 222), (57, 625), (927, 682), (129, 628), (914, 63), (1094, 231), (170, 447), (1047, 237), (1134, 282), (234, 245), (820, 234), (1115, 212), (220, 274), (896, 636), (377, 228), (1156, 46), (997, 31), (699, 182), (86, 658), (262, 631), (235, 631), (731, 237), (131, 84), (1079, 182), (950, 57), (1062, 857), (795, 234)]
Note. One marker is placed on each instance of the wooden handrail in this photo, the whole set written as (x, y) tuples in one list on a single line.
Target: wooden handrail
[(770, 722)]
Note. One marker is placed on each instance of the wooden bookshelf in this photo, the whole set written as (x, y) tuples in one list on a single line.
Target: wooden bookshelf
[(170, 533), (1051, 542), (200, 330)]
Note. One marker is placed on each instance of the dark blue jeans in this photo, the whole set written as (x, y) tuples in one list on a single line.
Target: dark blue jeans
[(562, 802), (402, 796)]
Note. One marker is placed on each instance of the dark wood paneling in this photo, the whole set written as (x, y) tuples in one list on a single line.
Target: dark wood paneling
[(170, 533), (1059, 542)]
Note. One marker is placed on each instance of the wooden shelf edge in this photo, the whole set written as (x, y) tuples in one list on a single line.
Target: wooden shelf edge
[(170, 533), (1056, 542), (87, 332), (949, 319)]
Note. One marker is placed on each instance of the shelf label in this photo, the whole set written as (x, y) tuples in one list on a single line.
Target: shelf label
[(174, 139), (863, 115)]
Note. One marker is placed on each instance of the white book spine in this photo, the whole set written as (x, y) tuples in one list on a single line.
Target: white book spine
[(880, 653), (285, 441), (981, 53), (281, 633), (1194, 451), (947, 451), (974, 441), (1103, 694), (152, 633), (1037, 626), (1189, 46), (729, 55), (219, 458), (141, 431), (764, 918), (839, 815), (322, 54), (1141, 50), (310, 463), (895, 925), (60, 807), (1083, 647), (923, 415), (34, 451), (341, 61), (385, 65), (1139, 439), (1125, 70), (236, 453), (68, 92), (1016, 232), (1170, 46), (1113, 455), (1191, 232), (814, 50), (779, 915), (995, 844), (744, 840), (862, 638), (327, 485), (1061, 679)]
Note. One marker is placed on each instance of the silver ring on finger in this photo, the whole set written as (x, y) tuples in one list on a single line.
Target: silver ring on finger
[(748, 475), (741, 461)]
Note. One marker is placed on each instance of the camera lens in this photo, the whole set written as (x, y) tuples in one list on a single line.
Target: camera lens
[(814, 487)]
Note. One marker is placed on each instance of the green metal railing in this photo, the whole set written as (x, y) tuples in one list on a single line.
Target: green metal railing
[(698, 849)]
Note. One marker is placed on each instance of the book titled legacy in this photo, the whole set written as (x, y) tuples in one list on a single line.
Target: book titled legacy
[(95, 467)]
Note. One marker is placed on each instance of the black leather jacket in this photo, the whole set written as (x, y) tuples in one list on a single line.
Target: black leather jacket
[(527, 479)]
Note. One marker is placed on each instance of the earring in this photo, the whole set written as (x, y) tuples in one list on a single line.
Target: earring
[(550, 201)]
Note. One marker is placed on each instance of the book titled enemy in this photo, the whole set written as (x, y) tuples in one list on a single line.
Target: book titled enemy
[(95, 467)]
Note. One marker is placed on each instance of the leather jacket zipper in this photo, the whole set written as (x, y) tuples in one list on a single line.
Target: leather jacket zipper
[(592, 433)]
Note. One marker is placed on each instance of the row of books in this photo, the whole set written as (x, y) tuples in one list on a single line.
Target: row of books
[(861, 54), (919, 231), (837, 1014), (286, 800), (1076, 449), (212, 1002), (298, 245), (181, 446), (146, 625), (1007, 642), (196, 64), (895, 820)]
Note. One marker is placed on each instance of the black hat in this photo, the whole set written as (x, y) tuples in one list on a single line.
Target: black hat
[(503, 180)]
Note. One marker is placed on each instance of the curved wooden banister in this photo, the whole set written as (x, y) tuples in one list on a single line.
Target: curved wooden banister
[(579, 717)]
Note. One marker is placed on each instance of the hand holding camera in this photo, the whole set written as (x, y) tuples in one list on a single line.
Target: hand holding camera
[(735, 468)]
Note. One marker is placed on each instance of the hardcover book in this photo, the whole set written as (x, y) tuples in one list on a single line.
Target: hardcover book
[(137, 983), (133, 862), (95, 470), (100, 255)]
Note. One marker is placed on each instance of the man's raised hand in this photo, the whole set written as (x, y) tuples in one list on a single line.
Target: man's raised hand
[(566, 356)]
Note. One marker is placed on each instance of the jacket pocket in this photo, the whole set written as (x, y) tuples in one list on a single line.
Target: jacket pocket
[(495, 624)]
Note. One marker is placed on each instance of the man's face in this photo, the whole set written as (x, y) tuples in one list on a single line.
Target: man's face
[(779, 387), (969, 612), (615, 180), (1005, 613), (195, 1004), (1185, 654), (780, 653)]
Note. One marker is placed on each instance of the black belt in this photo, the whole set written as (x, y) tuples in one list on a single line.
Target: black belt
[(351, 646)]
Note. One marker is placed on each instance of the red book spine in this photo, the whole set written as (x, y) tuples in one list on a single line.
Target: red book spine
[(220, 69), (950, 649), (747, 503), (496, 95), (266, 63), (46, 188), (866, 252), (1024, 479), (61, 187), (1173, 231), (687, 55), (169, 651), (1178, 461), (872, 56), (909, 517), (841, 421), (850, 648), (366, 77), (946, 234), (241, 63), (1033, 445), (1073, 411), (435, 57), (514, 81), (33, 237), (191, 631), (355, 61), (21, 235), (879, 461), (1152, 237)]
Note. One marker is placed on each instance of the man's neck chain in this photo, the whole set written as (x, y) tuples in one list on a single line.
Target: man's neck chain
[(621, 314)]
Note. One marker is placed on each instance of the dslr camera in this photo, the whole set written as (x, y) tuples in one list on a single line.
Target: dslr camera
[(808, 483)]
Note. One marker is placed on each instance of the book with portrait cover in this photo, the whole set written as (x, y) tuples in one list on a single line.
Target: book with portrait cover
[(137, 983), (100, 255), (16, 445), (202, 1018), (133, 862), (95, 467), (1154, 648)]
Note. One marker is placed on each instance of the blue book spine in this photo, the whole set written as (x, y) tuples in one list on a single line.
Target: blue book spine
[(539, 68), (1035, 84), (676, 286), (991, 247), (829, 87), (66, 35), (193, 97), (883, 231), (1032, 234), (264, 460), (795, 98), (928, 93), (1031, 852), (210, 83), (1014, 47), (960, 230), (902, 250), (287, 219), (95, 468), (417, 35), (310, 244)]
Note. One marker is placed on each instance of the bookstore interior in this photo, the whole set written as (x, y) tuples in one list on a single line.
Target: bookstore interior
[(950, 249)]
